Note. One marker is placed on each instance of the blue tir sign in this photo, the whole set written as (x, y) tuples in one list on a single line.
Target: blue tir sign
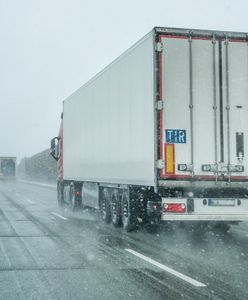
[(175, 136)]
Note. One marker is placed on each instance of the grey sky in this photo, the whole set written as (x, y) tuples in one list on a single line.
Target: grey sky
[(49, 48)]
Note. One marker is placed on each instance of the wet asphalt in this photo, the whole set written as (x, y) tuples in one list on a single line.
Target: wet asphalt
[(51, 253)]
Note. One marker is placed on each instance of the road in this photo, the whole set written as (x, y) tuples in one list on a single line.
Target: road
[(49, 253)]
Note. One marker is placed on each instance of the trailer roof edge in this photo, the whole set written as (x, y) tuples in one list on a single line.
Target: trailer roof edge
[(200, 32)]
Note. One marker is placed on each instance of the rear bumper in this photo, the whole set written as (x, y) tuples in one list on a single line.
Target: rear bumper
[(207, 209), (195, 217)]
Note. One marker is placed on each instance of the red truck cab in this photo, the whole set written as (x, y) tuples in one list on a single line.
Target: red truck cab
[(56, 150)]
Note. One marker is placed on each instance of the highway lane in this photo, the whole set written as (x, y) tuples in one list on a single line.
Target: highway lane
[(50, 253)]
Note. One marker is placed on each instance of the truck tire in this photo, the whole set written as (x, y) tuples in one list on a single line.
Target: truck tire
[(75, 201), (115, 208), (105, 206), (60, 193), (129, 218)]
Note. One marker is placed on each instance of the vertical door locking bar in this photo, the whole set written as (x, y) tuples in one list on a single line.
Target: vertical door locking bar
[(215, 109), (191, 104), (221, 102), (228, 108)]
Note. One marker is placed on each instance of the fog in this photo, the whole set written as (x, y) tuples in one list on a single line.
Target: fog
[(50, 48)]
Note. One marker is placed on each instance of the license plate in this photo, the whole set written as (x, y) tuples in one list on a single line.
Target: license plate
[(221, 202)]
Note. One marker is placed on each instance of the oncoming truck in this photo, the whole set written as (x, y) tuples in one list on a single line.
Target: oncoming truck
[(161, 134)]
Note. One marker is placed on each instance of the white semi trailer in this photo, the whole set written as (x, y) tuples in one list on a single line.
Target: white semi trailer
[(162, 132)]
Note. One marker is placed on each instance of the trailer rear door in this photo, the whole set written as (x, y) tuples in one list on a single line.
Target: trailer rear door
[(204, 124), (235, 112)]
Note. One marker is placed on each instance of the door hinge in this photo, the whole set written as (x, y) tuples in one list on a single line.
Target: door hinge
[(159, 47), (160, 164), (159, 105)]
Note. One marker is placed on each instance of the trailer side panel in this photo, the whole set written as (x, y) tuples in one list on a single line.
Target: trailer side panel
[(109, 122)]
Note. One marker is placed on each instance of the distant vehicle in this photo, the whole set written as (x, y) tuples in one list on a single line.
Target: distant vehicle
[(7, 167), (161, 134)]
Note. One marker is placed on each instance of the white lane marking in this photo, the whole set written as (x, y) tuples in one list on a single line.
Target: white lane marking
[(30, 201), (59, 216), (167, 269), (40, 184)]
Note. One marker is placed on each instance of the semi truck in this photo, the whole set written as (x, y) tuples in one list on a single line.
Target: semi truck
[(7, 167), (161, 134)]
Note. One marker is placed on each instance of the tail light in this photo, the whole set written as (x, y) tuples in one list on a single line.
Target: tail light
[(174, 207)]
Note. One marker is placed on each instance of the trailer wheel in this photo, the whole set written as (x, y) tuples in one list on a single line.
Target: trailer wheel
[(115, 207), (75, 201), (105, 206), (60, 194), (129, 218)]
